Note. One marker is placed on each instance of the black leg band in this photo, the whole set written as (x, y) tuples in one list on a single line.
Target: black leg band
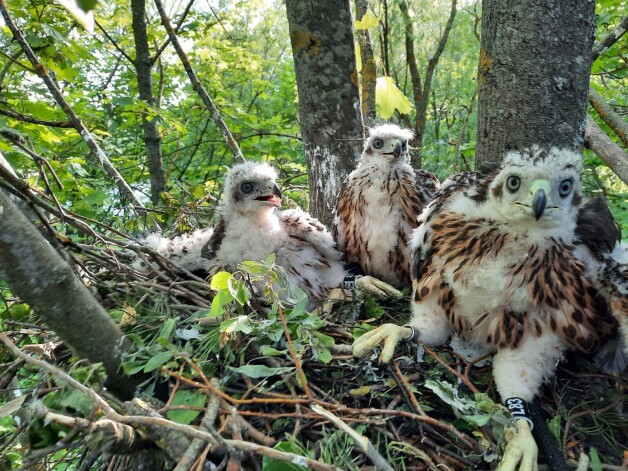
[(349, 281), (519, 410), (415, 333)]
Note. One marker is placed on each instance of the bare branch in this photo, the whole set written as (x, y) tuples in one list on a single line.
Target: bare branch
[(608, 115), (77, 124), (603, 146), (30, 119), (603, 46), (198, 86)]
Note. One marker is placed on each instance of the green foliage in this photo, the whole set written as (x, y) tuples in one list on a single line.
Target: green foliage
[(189, 399)]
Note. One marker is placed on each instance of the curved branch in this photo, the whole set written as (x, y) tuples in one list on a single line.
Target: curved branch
[(603, 46), (608, 115), (30, 119), (198, 86), (602, 145)]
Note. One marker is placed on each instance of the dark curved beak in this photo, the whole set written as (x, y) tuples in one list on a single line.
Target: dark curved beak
[(397, 151), (539, 201), (277, 191)]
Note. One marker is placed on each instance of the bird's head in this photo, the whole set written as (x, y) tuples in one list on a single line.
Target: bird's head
[(387, 143), (537, 188), (250, 188)]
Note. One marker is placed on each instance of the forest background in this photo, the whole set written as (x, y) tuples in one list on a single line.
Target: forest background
[(127, 84)]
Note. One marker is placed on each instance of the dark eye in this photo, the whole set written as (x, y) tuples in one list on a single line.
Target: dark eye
[(565, 187), (246, 187), (404, 145), (378, 143), (513, 183)]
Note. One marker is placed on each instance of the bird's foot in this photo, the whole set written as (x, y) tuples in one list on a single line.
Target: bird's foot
[(377, 287), (388, 334), (521, 449)]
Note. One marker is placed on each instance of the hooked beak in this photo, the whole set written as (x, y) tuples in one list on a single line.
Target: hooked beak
[(274, 199), (539, 190), (396, 151)]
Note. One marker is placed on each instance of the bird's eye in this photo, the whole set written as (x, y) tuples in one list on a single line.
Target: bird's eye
[(246, 187), (565, 187), (513, 183), (404, 145), (378, 143)]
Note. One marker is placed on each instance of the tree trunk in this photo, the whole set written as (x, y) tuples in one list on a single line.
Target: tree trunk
[(41, 278), (533, 75), (321, 32), (369, 69), (143, 67)]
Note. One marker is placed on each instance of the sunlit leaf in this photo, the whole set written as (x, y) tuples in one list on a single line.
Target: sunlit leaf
[(82, 12), (368, 21), (220, 280), (388, 97)]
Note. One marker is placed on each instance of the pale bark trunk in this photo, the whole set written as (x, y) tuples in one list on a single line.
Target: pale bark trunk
[(533, 75), (321, 32)]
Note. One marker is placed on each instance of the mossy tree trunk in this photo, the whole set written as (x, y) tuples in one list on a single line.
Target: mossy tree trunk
[(321, 32), (533, 74)]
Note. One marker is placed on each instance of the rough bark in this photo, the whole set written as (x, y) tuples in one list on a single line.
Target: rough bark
[(533, 74), (369, 69), (421, 89), (143, 67), (607, 150), (321, 32), (41, 278)]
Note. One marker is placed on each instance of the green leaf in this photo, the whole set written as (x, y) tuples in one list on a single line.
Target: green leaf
[(368, 21), (595, 463), (76, 400), (269, 464), (190, 399), (388, 97), (261, 371), (220, 280), (157, 360)]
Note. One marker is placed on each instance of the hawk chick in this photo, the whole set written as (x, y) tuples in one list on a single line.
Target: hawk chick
[(497, 260), (251, 228), (379, 204)]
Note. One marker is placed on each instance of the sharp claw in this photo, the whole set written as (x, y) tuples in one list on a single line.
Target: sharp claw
[(521, 449)]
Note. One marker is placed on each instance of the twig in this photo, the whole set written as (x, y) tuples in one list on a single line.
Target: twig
[(462, 377), (364, 443), (41, 71), (198, 86), (293, 354), (603, 46), (187, 430)]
